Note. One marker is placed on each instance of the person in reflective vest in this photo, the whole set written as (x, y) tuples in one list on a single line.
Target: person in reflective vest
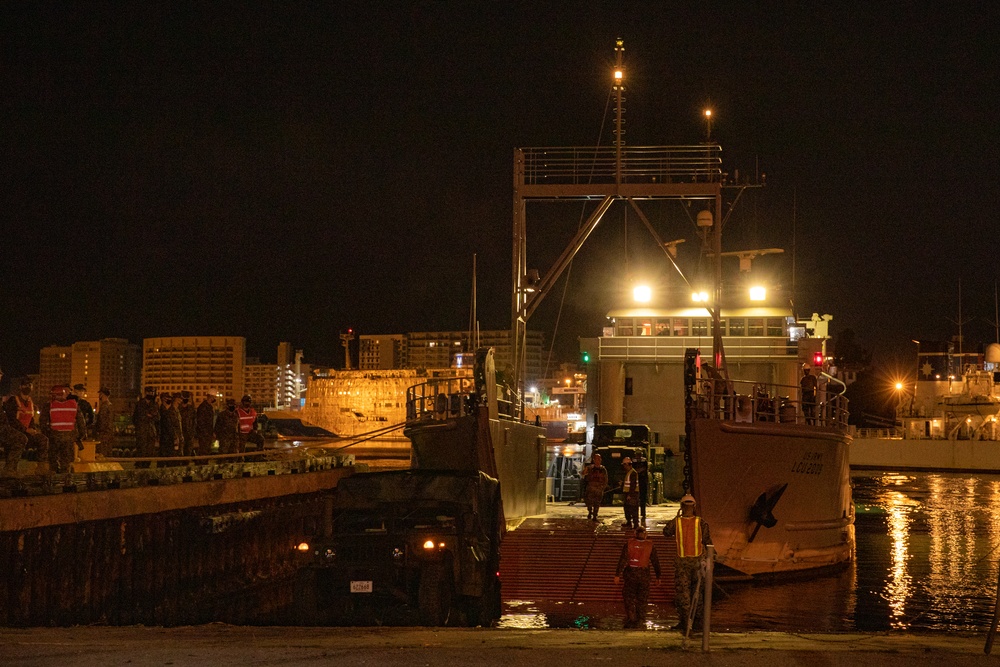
[(691, 535), (20, 411), (65, 426), (638, 555), (248, 422)]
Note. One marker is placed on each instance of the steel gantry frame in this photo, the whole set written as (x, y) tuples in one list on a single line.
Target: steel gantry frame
[(607, 175)]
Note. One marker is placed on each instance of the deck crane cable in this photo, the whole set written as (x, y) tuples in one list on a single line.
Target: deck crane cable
[(569, 268)]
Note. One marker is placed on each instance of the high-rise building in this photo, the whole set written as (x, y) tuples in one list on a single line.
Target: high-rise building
[(445, 349), (261, 382), (195, 364), (55, 366), (114, 363), (378, 353)]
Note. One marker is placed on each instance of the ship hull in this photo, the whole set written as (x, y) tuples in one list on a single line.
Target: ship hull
[(776, 496)]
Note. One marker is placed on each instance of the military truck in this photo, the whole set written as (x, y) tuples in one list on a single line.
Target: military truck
[(423, 545)]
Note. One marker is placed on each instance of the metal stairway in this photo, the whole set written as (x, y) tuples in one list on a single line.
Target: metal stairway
[(573, 560)]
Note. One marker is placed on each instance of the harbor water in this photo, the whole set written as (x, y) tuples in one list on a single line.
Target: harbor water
[(926, 561)]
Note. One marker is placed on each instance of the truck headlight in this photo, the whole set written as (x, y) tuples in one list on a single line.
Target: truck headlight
[(302, 547), (429, 544)]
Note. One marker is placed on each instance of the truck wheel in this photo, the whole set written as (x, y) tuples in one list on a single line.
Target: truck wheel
[(435, 594), (484, 610)]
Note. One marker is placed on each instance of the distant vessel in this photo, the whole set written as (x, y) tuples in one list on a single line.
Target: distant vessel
[(771, 478), (947, 420)]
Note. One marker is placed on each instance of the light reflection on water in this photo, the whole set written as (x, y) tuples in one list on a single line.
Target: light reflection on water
[(927, 551)]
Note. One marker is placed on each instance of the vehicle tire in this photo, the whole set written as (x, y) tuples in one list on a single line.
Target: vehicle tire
[(435, 593), (484, 610)]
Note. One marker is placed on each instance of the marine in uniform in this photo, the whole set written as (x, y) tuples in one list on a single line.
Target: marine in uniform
[(20, 412), (638, 554), (630, 494), (691, 535), (595, 483), (65, 426), (205, 423), (146, 420), (227, 427)]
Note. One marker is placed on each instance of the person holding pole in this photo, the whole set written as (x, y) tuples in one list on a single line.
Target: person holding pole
[(691, 535)]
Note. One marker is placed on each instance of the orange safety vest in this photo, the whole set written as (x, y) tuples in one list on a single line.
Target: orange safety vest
[(688, 536), (62, 415), (25, 411), (247, 418), (631, 482), (639, 552)]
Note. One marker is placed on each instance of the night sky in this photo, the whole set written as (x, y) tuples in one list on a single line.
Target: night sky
[(284, 173)]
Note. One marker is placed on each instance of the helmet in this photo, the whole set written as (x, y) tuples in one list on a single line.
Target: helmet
[(687, 498), (246, 398), (105, 391), (79, 387), (59, 389), (149, 391), (626, 460), (212, 392)]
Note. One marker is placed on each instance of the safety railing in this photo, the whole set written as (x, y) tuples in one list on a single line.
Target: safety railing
[(639, 164), (448, 398), (755, 402)]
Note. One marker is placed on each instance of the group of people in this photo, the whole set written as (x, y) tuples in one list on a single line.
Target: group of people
[(170, 425), (638, 557), (634, 487), (63, 423), (691, 536)]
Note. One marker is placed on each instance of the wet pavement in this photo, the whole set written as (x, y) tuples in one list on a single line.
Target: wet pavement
[(224, 645)]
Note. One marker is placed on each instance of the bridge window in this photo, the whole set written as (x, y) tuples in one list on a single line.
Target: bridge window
[(775, 326), (738, 327), (680, 326), (644, 327), (699, 326), (662, 328), (755, 326)]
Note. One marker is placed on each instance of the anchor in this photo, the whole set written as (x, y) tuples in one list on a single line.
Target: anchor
[(762, 511)]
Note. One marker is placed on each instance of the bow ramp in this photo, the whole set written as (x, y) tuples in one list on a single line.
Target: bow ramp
[(573, 560)]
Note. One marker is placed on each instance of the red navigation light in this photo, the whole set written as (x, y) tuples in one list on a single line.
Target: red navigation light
[(817, 359)]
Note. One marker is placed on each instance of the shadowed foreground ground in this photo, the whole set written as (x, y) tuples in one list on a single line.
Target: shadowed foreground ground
[(224, 646)]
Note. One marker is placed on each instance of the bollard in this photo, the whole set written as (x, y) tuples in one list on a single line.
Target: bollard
[(706, 618), (996, 617)]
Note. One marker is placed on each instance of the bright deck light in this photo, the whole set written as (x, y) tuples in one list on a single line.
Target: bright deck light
[(700, 297), (618, 75), (642, 293), (758, 293)]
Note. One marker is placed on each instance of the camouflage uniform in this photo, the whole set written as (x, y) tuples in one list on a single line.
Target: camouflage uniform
[(170, 428), (205, 426), (104, 425), (187, 414), (686, 571), (227, 427), (20, 413), (635, 588), (146, 420), (596, 483), (61, 443), (13, 443)]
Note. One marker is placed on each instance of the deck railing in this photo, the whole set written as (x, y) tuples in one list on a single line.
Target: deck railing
[(640, 164), (753, 402), (447, 398)]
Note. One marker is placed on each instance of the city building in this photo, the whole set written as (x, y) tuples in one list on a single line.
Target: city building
[(55, 366), (444, 349), (381, 353), (114, 363), (195, 364), (279, 386)]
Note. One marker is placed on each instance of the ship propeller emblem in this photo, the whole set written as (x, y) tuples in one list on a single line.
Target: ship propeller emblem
[(762, 511)]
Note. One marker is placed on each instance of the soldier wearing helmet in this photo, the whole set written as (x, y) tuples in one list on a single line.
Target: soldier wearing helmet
[(691, 535), (638, 555)]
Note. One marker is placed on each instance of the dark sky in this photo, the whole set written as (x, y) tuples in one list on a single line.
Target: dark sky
[(284, 173)]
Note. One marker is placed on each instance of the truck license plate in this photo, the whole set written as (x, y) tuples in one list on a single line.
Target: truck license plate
[(361, 587)]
